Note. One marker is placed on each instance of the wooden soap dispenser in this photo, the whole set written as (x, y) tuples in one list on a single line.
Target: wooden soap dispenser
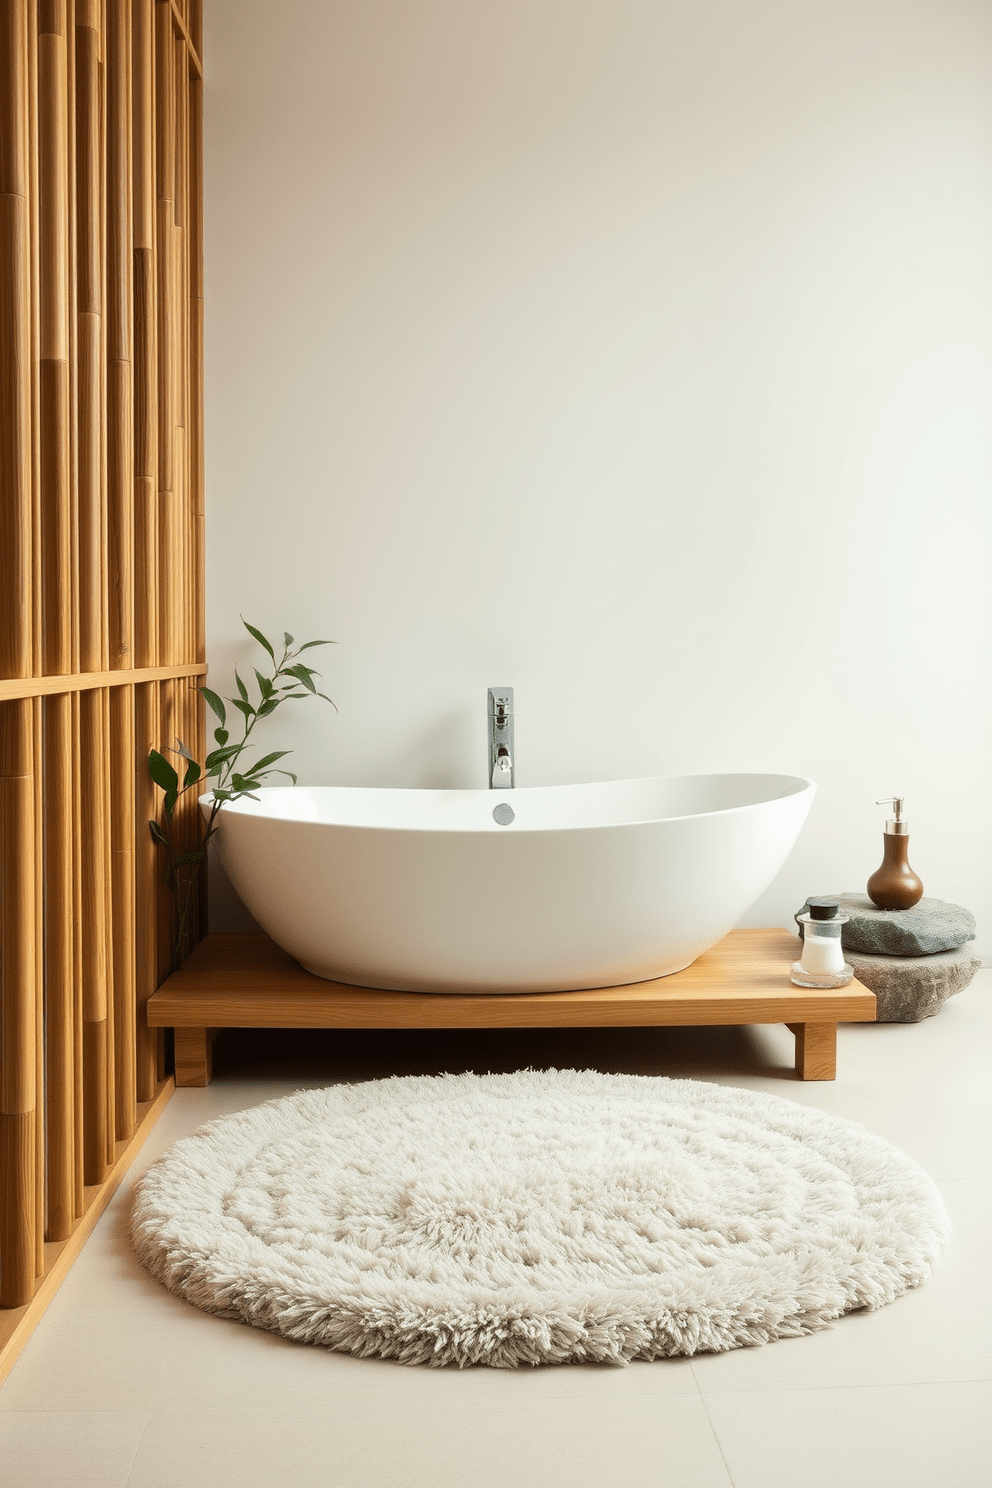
[(894, 885)]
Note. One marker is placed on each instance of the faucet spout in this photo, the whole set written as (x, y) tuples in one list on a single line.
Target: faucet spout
[(501, 767)]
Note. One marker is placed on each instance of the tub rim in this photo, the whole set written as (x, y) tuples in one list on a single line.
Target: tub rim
[(802, 785)]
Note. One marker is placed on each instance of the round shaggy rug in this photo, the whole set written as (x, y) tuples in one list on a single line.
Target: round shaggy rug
[(536, 1218)]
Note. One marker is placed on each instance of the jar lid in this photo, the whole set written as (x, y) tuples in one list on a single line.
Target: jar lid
[(823, 909)]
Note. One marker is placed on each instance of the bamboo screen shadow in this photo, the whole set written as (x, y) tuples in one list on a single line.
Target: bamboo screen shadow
[(101, 555)]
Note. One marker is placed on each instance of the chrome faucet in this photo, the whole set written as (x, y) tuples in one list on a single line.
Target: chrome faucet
[(501, 772)]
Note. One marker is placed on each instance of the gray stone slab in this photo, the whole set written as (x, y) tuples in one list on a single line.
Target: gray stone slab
[(910, 988), (928, 928)]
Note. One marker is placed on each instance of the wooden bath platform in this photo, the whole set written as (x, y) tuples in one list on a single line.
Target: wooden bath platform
[(246, 981)]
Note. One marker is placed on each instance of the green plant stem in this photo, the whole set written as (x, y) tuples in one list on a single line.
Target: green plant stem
[(221, 765)]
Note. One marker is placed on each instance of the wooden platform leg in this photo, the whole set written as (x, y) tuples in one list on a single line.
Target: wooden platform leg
[(816, 1050), (194, 1056)]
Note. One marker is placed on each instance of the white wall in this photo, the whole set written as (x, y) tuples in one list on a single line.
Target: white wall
[(636, 354)]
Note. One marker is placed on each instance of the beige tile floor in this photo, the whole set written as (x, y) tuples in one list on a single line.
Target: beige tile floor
[(124, 1386)]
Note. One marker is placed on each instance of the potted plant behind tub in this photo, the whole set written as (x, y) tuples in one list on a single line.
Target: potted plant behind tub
[(234, 776)]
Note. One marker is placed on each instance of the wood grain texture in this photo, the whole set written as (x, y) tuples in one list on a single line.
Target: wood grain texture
[(194, 1057), (28, 687), (816, 1050), (18, 1184), (246, 981)]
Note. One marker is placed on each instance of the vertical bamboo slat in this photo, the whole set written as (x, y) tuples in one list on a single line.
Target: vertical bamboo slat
[(120, 341), (146, 545), (56, 513), (89, 359), (165, 255), (74, 601), (59, 966), (167, 730), (18, 1009), (34, 235), (196, 24), (15, 346), (110, 1140), (181, 318), (146, 879), (37, 807), (123, 901), (94, 928), (196, 352), (78, 868)]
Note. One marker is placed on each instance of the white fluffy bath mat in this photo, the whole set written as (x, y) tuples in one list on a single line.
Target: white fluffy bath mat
[(533, 1218)]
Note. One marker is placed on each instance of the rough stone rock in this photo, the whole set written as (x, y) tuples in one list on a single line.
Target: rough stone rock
[(931, 926), (910, 988)]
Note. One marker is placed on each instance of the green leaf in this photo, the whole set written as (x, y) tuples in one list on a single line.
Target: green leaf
[(193, 856), (287, 638), (245, 782), (302, 674), (215, 703), (269, 759), (157, 834), (192, 775), (307, 644), (241, 687), (162, 772), (243, 707), (329, 700), (221, 735), (171, 797), (268, 707), (258, 636), (264, 685), (218, 756), (286, 772)]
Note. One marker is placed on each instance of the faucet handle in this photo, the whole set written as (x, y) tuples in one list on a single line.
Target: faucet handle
[(500, 701)]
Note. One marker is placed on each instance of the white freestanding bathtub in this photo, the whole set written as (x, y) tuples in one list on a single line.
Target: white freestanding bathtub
[(588, 885)]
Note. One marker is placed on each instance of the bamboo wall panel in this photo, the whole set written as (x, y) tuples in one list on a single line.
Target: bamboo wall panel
[(101, 580)]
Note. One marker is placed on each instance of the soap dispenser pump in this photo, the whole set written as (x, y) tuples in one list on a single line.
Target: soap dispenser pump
[(894, 885)]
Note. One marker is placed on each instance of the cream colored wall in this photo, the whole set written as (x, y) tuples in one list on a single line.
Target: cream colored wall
[(636, 355)]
